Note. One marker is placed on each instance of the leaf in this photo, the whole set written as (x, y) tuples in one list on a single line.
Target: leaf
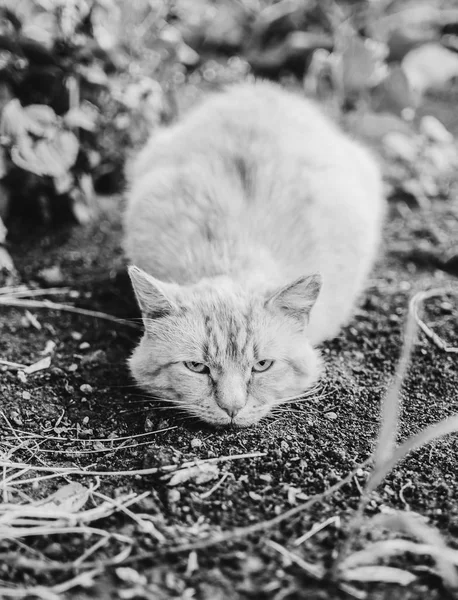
[(435, 130), (40, 118), (199, 473), (52, 157), (361, 65), (378, 574), (42, 28), (69, 498), (394, 93), (374, 126), (430, 66), (417, 526), (385, 549), (93, 74), (82, 117), (13, 122), (40, 365), (399, 145)]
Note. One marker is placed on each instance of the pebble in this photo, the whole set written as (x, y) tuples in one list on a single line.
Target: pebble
[(26, 395), (22, 376), (16, 417), (73, 367), (76, 335), (84, 346), (173, 496), (149, 425), (86, 388), (96, 357), (332, 416), (196, 443)]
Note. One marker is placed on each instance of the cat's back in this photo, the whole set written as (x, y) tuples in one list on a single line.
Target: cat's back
[(257, 177), (251, 120)]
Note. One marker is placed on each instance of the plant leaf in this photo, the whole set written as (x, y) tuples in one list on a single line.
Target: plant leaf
[(380, 574), (199, 473), (69, 498), (430, 66)]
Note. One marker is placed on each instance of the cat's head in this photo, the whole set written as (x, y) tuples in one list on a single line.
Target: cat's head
[(224, 355)]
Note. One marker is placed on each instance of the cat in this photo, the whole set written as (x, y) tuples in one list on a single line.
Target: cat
[(252, 225)]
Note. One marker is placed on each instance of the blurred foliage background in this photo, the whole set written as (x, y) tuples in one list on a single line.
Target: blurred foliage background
[(84, 82)]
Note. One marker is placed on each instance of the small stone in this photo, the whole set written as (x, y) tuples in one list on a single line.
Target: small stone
[(85, 420), (255, 496), (196, 443), (53, 550), (86, 388), (149, 425), (16, 417), (22, 376), (52, 275), (173, 496), (97, 357), (284, 446), (26, 395), (332, 416), (73, 367), (84, 346), (76, 335)]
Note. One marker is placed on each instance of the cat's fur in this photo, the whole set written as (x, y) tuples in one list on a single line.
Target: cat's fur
[(231, 213)]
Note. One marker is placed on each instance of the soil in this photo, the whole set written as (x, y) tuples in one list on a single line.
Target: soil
[(87, 393)]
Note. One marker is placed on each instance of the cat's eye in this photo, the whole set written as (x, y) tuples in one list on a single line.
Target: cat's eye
[(262, 365), (197, 367)]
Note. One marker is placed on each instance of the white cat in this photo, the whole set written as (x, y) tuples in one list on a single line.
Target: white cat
[(236, 217)]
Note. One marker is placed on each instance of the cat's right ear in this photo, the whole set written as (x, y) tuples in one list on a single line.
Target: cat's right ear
[(154, 297)]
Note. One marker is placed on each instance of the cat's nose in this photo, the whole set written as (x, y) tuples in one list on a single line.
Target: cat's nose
[(232, 406), (232, 401)]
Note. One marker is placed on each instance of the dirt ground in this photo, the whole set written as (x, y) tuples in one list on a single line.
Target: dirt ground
[(307, 448)]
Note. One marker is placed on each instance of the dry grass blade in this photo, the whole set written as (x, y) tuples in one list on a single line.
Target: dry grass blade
[(315, 529), (388, 548), (67, 471), (379, 574), (437, 430), (416, 301), (417, 527), (391, 401), (315, 571), (51, 593), (20, 303)]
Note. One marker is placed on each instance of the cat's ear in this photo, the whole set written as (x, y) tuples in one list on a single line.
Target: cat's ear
[(297, 298), (154, 297)]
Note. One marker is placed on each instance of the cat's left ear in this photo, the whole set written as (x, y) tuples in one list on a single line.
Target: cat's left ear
[(155, 298), (296, 299)]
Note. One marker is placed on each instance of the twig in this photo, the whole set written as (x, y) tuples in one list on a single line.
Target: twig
[(315, 571), (419, 298), (315, 529), (208, 493), (19, 303), (151, 471), (30, 293), (11, 365)]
